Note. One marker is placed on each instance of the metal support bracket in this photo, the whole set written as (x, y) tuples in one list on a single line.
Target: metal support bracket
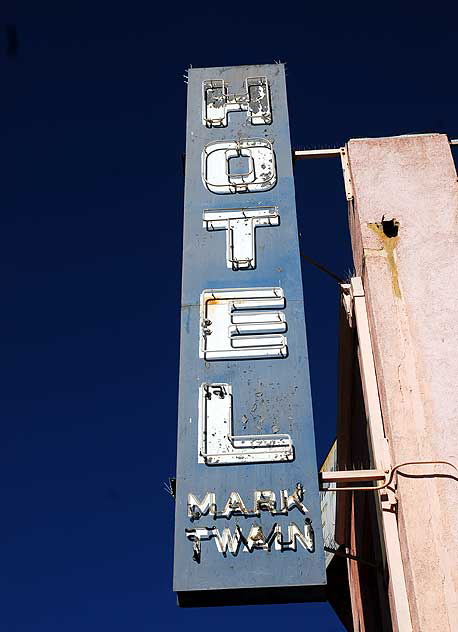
[(329, 153), (240, 225), (307, 154), (346, 174), (351, 476)]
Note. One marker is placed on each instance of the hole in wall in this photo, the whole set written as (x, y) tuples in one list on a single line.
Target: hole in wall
[(390, 227)]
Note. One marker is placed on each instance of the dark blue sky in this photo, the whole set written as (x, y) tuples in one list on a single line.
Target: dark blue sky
[(92, 115)]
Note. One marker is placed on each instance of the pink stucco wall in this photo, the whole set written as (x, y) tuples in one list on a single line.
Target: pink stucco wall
[(411, 284)]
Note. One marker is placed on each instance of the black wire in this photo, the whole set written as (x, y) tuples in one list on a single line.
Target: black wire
[(323, 269)]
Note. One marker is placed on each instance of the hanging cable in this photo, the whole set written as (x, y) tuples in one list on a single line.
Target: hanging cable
[(322, 268)]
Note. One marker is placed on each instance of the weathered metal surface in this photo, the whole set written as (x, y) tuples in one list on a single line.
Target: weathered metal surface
[(223, 174), (254, 100), (248, 529), (240, 225), (217, 443), (231, 327)]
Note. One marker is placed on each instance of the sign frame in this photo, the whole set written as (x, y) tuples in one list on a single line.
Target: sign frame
[(251, 532)]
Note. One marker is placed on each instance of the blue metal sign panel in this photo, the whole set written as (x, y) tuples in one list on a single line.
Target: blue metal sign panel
[(248, 525)]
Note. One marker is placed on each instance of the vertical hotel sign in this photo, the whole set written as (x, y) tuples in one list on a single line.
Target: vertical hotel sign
[(248, 524)]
